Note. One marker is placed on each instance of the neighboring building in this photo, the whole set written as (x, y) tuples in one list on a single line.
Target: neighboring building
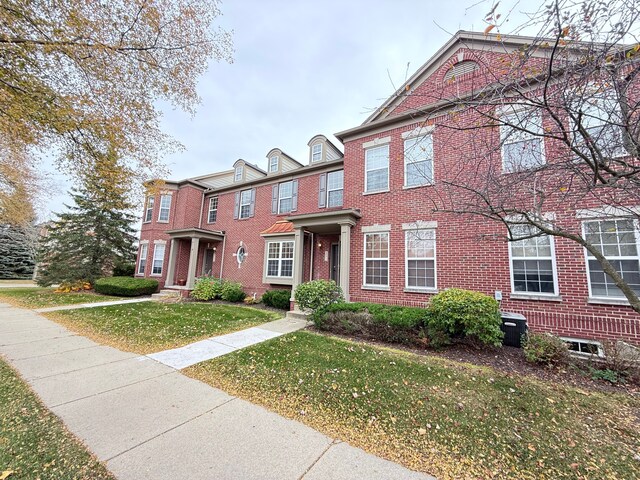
[(362, 220)]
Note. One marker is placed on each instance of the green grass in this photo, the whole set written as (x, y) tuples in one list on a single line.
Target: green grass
[(150, 326), (33, 442), (37, 297), (449, 419)]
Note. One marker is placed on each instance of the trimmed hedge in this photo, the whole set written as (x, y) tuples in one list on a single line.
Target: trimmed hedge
[(388, 323), (317, 294), (277, 298), (207, 288), (126, 286)]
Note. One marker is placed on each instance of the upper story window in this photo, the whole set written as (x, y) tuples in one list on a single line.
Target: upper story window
[(335, 188), (245, 204), (273, 164), (598, 123), (148, 211), (532, 262), (238, 173), (316, 152), (285, 197), (142, 261), (521, 139), (165, 207), (213, 210), (377, 169), (459, 69), (618, 240), (418, 161)]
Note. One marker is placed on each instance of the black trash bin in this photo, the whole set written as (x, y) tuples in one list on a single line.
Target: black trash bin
[(514, 326)]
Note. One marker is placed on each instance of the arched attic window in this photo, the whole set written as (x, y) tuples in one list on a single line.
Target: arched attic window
[(459, 69)]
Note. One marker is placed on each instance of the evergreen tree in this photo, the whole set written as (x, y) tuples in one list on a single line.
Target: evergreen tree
[(94, 235), (17, 255)]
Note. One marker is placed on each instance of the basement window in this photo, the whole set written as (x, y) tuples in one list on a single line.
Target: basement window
[(584, 347)]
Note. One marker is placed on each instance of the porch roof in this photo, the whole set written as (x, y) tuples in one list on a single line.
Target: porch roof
[(280, 227), (319, 221), (215, 236)]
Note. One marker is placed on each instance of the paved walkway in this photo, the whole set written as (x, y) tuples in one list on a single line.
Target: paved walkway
[(92, 305), (18, 285), (148, 421)]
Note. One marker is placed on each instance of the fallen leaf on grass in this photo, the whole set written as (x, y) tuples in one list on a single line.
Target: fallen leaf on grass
[(6, 474)]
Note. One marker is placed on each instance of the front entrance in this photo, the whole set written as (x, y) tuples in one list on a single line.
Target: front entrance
[(209, 255), (334, 263)]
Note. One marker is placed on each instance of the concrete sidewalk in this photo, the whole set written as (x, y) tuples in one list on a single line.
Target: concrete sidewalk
[(148, 421), (76, 306)]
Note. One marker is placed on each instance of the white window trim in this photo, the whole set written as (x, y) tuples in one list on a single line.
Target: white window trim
[(622, 300), (160, 208), (334, 189), (240, 217), (582, 340), (280, 197), (406, 264), (272, 163), (148, 210), (554, 268), (266, 263), (238, 173), (364, 269), (153, 260), (426, 182), (211, 210), (366, 170), (505, 129), (314, 153), (144, 247)]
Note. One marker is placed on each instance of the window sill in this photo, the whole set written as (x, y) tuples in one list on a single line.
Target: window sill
[(278, 280), (411, 187), (608, 301), (139, 274), (376, 287), (162, 221), (420, 290), (155, 274), (210, 223), (534, 297), (147, 221), (376, 192)]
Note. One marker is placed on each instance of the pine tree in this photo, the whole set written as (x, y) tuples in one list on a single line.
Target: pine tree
[(94, 235), (17, 255)]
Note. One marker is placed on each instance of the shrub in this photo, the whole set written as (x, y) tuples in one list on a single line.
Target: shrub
[(207, 288), (387, 323), (277, 298), (621, 359), (457, 312), (126, 286), (124, 270), (317, 294), (232, 292), (544, 348)]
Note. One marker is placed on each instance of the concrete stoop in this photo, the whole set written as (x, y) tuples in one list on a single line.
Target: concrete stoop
[(298, 315), (166, 294)]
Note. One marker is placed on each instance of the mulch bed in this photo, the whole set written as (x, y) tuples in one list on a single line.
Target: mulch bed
[(511, 361)]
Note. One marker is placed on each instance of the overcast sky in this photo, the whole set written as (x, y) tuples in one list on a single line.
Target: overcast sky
[(302, 68)]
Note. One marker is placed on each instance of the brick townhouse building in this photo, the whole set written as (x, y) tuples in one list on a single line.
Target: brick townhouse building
[(363, 218)]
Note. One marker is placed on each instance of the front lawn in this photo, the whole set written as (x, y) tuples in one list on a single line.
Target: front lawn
[(149, 327), (449, 419), (37, 297), (33, 442)]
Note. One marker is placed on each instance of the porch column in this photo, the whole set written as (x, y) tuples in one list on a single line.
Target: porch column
[(345, 254), (193, 262), (171, 268), (298, 264)]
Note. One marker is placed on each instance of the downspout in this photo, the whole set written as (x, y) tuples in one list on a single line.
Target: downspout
[(313, 246), (224, 242)]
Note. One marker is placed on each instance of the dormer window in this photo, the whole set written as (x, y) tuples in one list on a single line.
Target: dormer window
[(238, 174), (273, 164), (316, 152)]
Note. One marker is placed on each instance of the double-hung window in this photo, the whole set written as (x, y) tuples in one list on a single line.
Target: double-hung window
[(148, 212), (521, 139), (421, 258), (598, 123), (532, 262), (165, 206), (213, 210), (418, 161), (316, 152), (285, 197), (245, 204), (273, 164), (280, 259), (377, 169), (237, 177), (376, 259), (619, 241), (335, 188), (158, 259), (142, 262)]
